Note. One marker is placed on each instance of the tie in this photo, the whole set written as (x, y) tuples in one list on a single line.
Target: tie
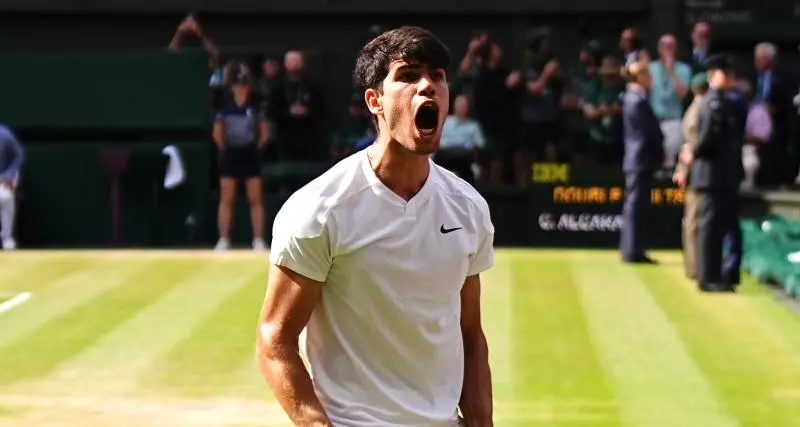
[(760, 87)]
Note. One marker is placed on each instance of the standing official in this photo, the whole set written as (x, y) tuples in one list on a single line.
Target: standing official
[(644, 153), (732, 244), (240, 132), (715, 174), (681, 176)]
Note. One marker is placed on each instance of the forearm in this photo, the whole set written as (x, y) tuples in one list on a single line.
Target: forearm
[(679, 87), (286, 375), (466, 64), (210, 47), (476, 396), (175, 43)]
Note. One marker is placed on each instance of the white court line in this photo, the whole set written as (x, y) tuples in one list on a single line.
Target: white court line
[(15, 301)]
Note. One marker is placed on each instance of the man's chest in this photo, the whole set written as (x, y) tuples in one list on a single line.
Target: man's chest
[(429, 250)]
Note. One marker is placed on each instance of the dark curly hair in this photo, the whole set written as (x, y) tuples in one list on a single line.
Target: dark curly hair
[(410, 44)]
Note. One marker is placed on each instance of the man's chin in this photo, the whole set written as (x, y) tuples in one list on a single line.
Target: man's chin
[(425, 146)]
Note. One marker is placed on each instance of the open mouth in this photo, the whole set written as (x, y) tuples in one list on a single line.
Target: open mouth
[(427, 118)]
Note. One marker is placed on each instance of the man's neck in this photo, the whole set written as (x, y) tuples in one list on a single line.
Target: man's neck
[(293, 76), (398, 169)]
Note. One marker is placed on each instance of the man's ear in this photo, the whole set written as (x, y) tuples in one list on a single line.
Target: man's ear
[(374, 101)]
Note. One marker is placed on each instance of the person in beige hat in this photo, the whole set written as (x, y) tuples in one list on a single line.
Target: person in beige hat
[(699, 87)]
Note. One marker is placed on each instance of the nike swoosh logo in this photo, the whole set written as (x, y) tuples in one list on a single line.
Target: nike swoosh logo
[(448, 230)]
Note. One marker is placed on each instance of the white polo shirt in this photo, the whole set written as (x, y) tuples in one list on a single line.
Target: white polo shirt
[(384, 345)]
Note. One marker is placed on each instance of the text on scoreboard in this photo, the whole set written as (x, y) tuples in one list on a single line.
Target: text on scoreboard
[(583, 186)]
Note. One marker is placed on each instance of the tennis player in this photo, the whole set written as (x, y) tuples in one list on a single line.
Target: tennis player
[(375, 267)]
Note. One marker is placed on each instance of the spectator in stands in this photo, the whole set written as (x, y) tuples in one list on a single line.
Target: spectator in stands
[(11, 158), (585, 78), (493, 108), (772, 90), (188, 26), (758, 131), (297, 109), (671, 80), (632, 47), (353, 129), (479, 50), (270, 75), (701, 46), (240, 132), (266, 85), (540, 87), (603, 112), (461, 139), (583, 82)]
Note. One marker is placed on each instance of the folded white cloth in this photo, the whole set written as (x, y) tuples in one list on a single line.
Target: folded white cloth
[(176, 173)]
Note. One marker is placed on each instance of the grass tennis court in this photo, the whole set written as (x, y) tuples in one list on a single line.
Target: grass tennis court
[(123, 339)]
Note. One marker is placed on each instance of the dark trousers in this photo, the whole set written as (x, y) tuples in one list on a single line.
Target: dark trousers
[(717, 214), (457, 161), (732, 244), (634, 214)]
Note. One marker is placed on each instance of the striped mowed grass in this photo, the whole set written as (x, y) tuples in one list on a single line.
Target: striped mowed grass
[(133, 338)]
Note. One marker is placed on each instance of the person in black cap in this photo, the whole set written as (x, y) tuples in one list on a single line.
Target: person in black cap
[(715, 162), (240, 132)]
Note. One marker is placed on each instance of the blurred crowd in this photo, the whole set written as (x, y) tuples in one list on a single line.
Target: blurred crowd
[(503, 118)]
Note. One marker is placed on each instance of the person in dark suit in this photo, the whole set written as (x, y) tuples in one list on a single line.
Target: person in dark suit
[(644, 154), (631, 47), (715, 161), (701, 47)]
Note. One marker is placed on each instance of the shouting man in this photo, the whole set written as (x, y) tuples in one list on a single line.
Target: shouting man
[(375, 267)]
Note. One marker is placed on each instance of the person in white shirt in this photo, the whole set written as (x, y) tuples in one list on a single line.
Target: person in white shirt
[(375, 267), (462, 137)]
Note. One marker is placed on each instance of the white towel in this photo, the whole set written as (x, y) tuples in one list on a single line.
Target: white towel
[(176, 173)]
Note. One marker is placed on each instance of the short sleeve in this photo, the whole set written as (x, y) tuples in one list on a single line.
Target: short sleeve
[(483, 257), (219, 116), (301, 240)]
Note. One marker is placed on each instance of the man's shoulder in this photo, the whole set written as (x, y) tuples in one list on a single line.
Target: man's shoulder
[(461, 191), (309, 208)]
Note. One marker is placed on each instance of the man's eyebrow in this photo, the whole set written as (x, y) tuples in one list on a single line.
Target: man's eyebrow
[(414, 67)]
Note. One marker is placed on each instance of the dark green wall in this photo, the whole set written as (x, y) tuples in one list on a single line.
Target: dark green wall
[(65, 196)]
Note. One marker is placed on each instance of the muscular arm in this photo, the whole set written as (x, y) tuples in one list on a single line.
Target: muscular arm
[(288, 305), (466, 64), (476, 395)]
